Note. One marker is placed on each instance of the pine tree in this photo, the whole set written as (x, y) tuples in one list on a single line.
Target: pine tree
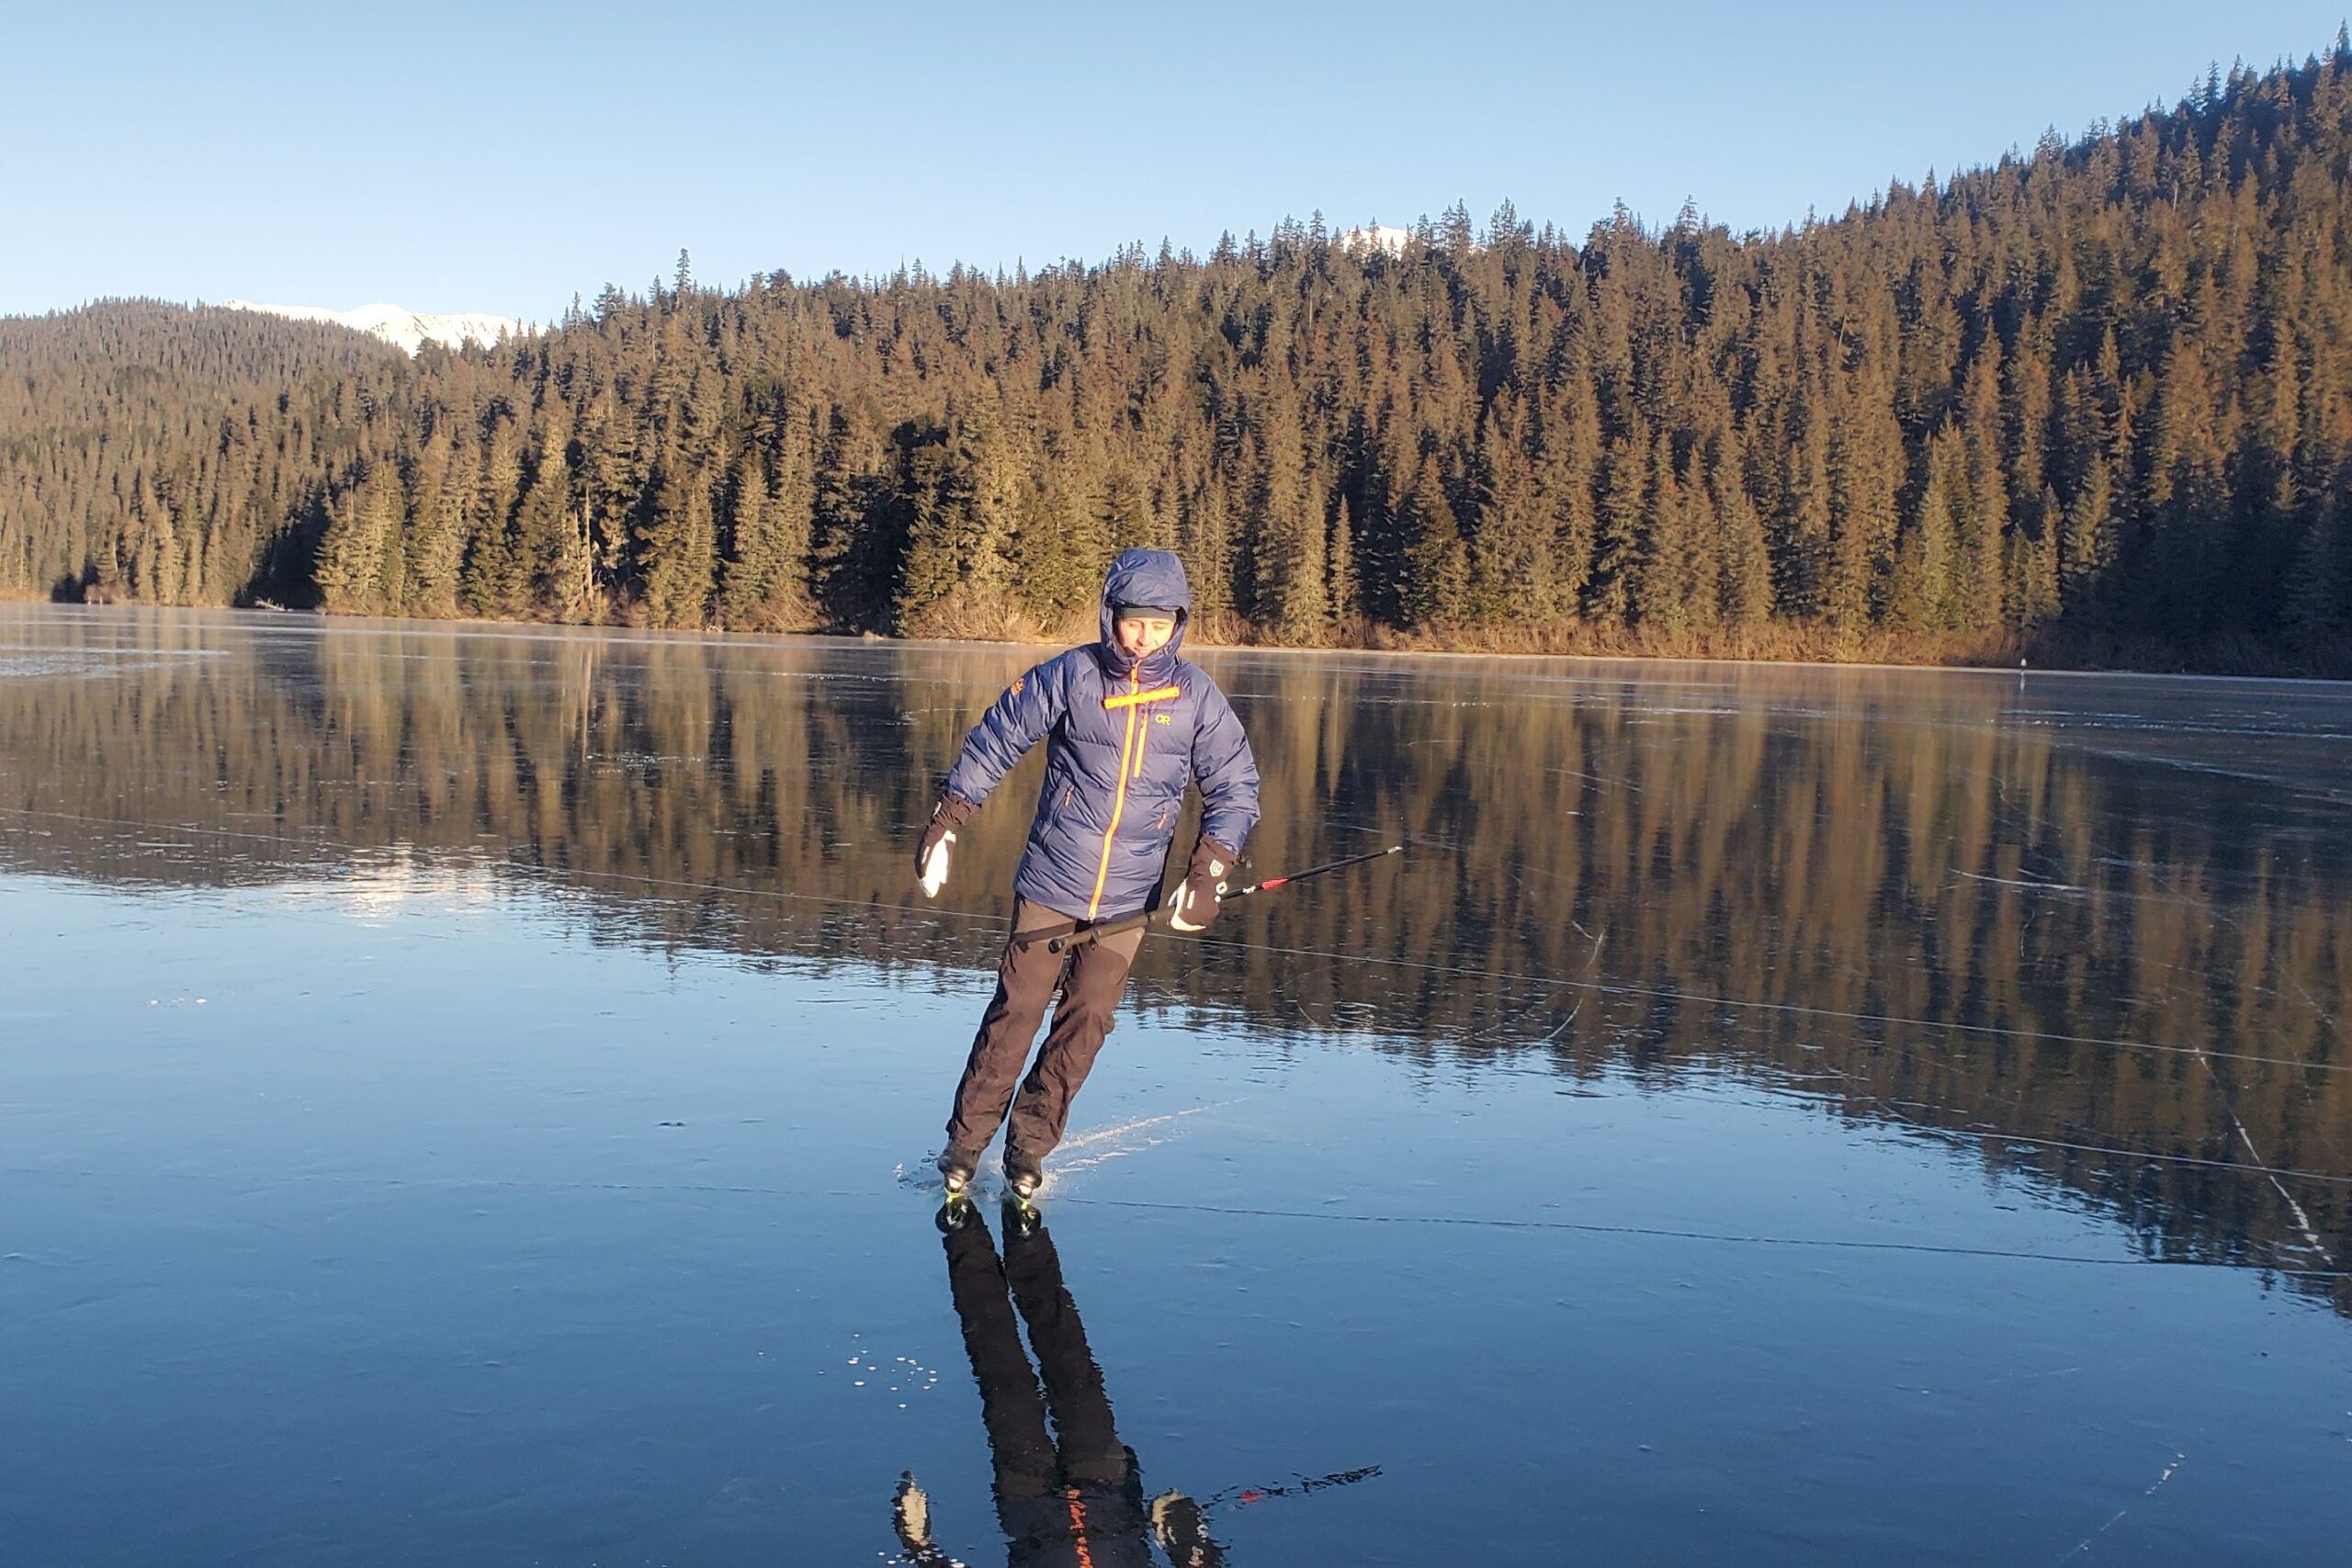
[(1665, 584), (1059, 554), (1287, 540), (1617, 530), (764, 582), (495, 573), (1981, 523), (1341, 590), (992, 465), (1435, 590), (568, 579), (2317, 615), (926, 601), (855, 549), (1744, 592), (1513, 569), (676, 546), (1922, 595), (437, 528), (362, 533)]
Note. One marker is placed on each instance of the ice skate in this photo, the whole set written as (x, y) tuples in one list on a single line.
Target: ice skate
[(955, 1168), (1022, 1176)]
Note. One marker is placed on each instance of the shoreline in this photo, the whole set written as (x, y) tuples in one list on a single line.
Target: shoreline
[(2006, 663)]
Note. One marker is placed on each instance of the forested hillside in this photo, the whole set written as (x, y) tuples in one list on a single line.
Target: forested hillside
[(2096, 400), (155, 453)]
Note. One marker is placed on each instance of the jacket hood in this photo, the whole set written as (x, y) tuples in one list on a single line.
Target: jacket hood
[(1146, 577)]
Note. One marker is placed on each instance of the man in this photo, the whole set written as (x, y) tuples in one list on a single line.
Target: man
[(1127, 724)]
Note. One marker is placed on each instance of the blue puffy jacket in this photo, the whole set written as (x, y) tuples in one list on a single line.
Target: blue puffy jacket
[(1123, 738)]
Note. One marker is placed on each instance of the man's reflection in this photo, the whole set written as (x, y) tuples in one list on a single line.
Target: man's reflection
[(1073, 1496)]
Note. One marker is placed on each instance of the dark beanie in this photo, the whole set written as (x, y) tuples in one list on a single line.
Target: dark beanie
[(1127, 611)]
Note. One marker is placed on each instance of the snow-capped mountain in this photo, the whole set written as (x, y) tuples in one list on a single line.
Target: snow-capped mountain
[(410, 328), (1376, 237)]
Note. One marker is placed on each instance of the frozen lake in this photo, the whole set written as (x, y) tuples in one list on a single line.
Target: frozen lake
[(467, 1096)]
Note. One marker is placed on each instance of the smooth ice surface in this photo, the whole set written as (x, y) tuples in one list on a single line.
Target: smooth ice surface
[(466, 1095)]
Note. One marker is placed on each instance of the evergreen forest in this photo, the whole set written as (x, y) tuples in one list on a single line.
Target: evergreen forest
[(2089, 405)]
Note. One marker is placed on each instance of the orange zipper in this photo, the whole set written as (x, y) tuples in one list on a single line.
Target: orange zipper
[(1119, 801), (1129, 699)]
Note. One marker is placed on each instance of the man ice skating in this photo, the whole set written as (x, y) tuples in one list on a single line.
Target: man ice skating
[(1127, 724)]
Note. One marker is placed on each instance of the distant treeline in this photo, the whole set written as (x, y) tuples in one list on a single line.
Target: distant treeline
[(2097, 400)]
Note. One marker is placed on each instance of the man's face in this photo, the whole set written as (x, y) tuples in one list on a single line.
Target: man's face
[(1141, 635)]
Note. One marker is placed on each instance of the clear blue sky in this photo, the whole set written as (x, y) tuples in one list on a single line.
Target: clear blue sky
[(499, 158)]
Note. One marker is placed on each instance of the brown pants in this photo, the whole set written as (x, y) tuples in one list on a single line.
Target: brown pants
[(1025, 978)]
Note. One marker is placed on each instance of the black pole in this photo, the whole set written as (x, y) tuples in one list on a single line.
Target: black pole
[(1062, 941)]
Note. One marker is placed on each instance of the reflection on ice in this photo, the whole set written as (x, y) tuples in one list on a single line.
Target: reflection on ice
[(1070, 1490), (1073, 1493), (1947, 898), (382, 883)]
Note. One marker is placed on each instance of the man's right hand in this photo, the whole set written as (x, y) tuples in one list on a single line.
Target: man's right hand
[(931, 856)]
